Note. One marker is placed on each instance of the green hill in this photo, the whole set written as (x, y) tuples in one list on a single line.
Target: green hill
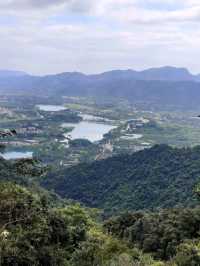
[(158, 177), (36, 229), (33, 231), (162, 234)]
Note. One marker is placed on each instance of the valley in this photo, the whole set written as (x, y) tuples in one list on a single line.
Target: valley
[(99, 133), (72, 130), (99, 182)]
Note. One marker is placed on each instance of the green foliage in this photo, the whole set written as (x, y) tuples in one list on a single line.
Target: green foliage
[(37, 228), (66, 116), (21, 171), (81, 143), (158, 177), (158, 233), (29, 167), (188, 253), (103, 250), (32, 233)]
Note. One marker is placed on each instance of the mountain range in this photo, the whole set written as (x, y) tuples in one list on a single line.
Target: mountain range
[(12, 73), (166, 73), (165, 86)]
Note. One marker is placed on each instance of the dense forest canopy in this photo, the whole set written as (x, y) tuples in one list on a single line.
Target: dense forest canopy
[(33, 231), (36, 229), (158, 233), (158, 177)]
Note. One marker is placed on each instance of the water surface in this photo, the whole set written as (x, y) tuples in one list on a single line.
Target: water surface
[(92, 131), (13, 155), (51, 108)]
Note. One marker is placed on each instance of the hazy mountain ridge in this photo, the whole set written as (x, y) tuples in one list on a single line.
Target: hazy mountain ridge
[(11, 73), (157, 86), (166, 73)]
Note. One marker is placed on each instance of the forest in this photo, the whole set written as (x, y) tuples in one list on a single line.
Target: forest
[(99, 133), (38, 227), (159, 177)]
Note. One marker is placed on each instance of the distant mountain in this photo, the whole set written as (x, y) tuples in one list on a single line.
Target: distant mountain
[(11, 73), (158, 177), (159, 87), (166, 73)]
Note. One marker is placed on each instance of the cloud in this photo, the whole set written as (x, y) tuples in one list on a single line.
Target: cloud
[(140, 16), (141, 11), (72, 5), (92, 36), (154, 11)]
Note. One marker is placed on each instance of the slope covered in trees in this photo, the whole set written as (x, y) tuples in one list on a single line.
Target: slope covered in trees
[(23, 171), (37, 229), (158, 177), (162, 234), (32, 232)]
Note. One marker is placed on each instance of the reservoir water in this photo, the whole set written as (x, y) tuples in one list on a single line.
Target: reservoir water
[(51, 108), (13, 155), (92, 127), (88, 130)]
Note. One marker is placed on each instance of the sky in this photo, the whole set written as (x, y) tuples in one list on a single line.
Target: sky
[(92, 36)]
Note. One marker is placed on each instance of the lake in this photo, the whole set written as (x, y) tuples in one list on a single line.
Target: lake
[(50, 108), (13, 155), (90, 130), (132, 136), (92, 127)]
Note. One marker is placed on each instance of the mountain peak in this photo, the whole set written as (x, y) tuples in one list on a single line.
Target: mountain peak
[(169, 73)]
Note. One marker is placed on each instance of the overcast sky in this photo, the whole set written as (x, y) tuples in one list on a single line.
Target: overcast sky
[(91, 36)]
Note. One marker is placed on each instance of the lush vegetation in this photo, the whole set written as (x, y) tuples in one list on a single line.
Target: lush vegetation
[(158, 177), (164, 234), (34, 233), (38, 228), (24, 171)]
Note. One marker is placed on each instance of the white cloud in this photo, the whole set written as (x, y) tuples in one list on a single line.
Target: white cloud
[(35, 5), (93, 36)]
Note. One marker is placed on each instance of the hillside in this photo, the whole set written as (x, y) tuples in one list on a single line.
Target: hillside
[(34, 233), (160, 87), (36, 229), (20, 171), (163, 234), (158, 177)]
